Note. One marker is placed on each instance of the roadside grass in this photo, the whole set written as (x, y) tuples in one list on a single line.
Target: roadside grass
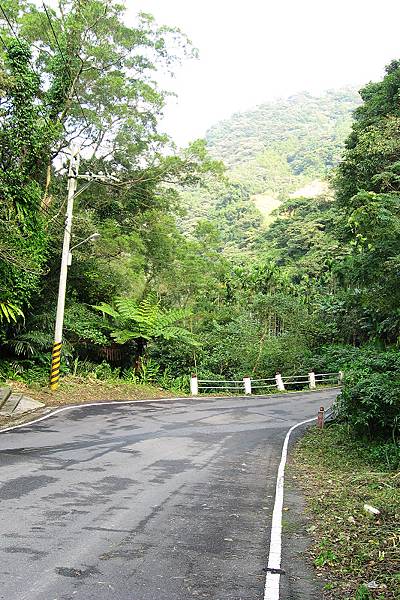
[(352, 548), (78, 390)]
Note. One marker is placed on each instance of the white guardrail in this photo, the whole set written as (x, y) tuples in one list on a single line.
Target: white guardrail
[(258, 386)]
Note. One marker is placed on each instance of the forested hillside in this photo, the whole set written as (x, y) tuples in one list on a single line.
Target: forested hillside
[(310, 129), (271, 152)]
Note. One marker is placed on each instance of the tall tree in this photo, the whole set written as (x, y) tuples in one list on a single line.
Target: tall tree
[(368, 190)]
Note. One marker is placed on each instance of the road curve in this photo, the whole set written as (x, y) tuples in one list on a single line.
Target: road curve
[(161, 500)]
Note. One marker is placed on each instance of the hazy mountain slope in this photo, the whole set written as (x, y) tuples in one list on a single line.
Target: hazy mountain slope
[(309, 129), (271, 152)]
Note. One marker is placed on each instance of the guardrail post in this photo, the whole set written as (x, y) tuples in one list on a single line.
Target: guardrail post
[(194, 385), (311, 380), (321, 417), (341, 374), (247, 385), (279, 382)]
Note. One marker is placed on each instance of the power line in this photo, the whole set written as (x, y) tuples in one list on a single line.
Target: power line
[(16, 37), (66, 64), (4, 44), (42, 209), (116, 184), (9, 23)]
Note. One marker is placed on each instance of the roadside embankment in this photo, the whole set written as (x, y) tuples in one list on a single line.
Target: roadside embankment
[(356, 550)]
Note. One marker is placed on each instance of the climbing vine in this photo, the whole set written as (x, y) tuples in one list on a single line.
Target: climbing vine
[(25, 141)]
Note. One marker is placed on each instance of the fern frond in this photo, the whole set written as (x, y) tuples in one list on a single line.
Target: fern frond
[(147, 320), (127, 308), (121, 336), (148, 313), (107, 309), (173, 316), (178, 333)]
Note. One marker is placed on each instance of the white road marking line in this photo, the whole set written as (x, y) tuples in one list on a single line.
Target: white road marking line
[(272, 581), (74, 406)]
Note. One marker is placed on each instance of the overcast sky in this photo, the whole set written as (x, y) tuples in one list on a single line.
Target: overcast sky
[(255, 50)]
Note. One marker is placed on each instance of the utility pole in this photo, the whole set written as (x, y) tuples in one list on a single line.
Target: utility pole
[(56, 354)]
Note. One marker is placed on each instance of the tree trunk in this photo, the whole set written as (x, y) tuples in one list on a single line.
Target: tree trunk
[(141, 345)]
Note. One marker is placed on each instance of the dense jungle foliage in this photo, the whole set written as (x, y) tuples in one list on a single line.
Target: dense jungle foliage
[(188, 274)]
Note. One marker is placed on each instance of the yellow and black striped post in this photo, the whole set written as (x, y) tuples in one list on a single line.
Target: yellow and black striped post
[(55, 366)]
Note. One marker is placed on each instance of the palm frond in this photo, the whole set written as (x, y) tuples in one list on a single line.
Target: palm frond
[(10, 312), (30, 343)]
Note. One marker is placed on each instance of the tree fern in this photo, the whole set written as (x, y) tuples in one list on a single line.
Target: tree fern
[(178, 333), (122, 336), (145, 321), (127, 308), (107, 309), (172, 316)]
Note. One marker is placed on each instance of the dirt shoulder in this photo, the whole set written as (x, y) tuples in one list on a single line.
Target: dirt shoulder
[(300, 579), (355, 554), (77, 390)]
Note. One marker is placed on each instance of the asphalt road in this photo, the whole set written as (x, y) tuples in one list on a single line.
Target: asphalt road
[(163, 500)]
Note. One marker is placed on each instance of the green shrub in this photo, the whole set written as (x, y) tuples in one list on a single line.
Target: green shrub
[(148, 371), (366, 359), (82, 323), (174, 356), (287, 354), (384, 453), (180, 384), (363, 593), (370, 403), (335, 358), (130, 375), (168, 381), (25, 371), (105, 372), (9, 371)]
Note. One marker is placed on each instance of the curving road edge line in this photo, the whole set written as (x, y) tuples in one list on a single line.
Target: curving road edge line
[(272, 581), (75, 406)]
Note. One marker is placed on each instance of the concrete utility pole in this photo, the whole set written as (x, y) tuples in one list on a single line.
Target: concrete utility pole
[(56, 354), (66, 257)]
